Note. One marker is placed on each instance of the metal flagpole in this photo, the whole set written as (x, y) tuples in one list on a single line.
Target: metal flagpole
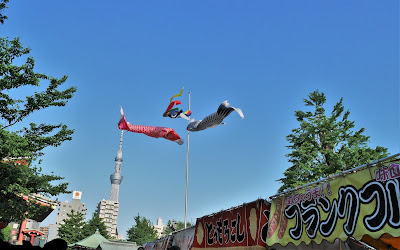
[(187, 170)]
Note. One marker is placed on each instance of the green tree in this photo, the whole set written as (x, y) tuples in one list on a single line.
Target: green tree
[(142, 232), (175, 226), (95, 223), (3, 5), (5, 233), (25, 144), (324, 145), (71, 230)]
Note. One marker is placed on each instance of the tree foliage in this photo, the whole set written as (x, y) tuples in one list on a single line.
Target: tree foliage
[(174, 225), (20, 148), (95, 223), (324, 145), (72, 228), (5, 233), (142, 232), (3, 5)]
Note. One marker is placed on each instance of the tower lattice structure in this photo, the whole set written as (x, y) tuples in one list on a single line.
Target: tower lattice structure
[(108, 209), (116, 177)]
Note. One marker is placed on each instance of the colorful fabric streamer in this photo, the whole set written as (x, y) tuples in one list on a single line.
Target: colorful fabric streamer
[(156, 132), (176, 95), (214, 119), (175, 112)]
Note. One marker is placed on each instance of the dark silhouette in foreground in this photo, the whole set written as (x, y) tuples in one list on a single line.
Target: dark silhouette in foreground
[(56, 244)]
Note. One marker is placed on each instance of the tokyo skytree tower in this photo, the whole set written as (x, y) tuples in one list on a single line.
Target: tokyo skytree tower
[(116, 177)]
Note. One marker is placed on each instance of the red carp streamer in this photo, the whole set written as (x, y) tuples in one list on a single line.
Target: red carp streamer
[(156, 132)]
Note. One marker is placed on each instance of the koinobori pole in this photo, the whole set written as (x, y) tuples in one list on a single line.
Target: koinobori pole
[(187, 171)]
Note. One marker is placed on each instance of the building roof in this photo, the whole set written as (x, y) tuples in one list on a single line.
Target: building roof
[(42, 201), (118, 245), (93, 241)]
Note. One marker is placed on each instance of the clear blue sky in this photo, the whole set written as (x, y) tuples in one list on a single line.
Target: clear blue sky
[(262, 56)]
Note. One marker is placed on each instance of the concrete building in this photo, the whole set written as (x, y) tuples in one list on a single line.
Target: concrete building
[(108, 209), (65, 208), (159, 227), (45, 230)]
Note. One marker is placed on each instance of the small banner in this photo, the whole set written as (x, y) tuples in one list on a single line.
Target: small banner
[(362, 202), (242, 227)]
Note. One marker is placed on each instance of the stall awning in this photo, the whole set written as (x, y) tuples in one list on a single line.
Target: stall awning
[(91, 242), (364, 201)]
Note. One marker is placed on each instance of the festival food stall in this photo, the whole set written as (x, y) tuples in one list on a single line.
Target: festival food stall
[(359, 206), (160, 244), (242, 227), (184, 238)]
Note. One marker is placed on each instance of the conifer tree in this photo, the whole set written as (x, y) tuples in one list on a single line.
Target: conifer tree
[(324, 145), (95, 223), (71, 230), (175, 226), (142, 232)]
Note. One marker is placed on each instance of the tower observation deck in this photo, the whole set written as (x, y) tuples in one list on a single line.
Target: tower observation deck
[(108, 209)]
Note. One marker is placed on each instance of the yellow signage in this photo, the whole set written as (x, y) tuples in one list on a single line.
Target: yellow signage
[(364, 202)]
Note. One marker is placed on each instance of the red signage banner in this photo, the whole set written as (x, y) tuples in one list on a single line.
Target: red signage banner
[(243, 226)]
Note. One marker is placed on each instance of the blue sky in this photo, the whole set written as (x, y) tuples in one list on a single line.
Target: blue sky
[(262, 56)]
